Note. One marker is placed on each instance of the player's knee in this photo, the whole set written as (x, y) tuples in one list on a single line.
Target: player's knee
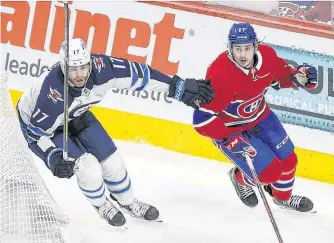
[(90, 181), (289, 164), (88, 168), (113, 167), (272, 172)]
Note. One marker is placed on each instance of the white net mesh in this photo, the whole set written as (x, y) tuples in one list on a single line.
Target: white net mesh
[(28, 213)]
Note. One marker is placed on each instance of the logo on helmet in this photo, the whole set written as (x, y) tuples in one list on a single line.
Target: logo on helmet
[(242, 30), (83, 44)]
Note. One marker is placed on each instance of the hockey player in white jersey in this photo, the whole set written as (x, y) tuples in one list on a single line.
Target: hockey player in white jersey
[(93, 156)]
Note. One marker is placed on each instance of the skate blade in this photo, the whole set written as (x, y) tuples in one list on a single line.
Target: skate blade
[(123, 227), (159, 220), (311, 211)]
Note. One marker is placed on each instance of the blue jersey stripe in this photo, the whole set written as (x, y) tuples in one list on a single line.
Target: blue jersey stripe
[(201, 116), (146, 77), (134, 75)]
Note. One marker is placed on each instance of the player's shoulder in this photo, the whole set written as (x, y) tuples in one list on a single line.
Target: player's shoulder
[(102, 69), (219, 73), (99, 62), (53, 76), (266, 50), (221, 59), (99, 56), (48, 91), (218, 66), (52, 81)]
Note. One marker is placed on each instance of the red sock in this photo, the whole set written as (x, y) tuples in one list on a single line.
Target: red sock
[(243, 180), (282, 189)]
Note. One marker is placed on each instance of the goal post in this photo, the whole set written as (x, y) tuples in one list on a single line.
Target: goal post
[(28, 213)]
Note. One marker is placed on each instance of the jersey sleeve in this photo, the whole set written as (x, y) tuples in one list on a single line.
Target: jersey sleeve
[(284, 73), (206, 119), (124, 74), (47, 114)]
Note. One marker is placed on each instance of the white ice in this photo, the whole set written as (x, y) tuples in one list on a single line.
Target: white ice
[(197, 203)]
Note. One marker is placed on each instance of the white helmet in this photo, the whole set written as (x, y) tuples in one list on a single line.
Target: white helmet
[(78, 53)]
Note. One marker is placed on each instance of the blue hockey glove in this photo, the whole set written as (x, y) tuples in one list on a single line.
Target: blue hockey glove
[(58, 166), (192, 92), (306, 76)]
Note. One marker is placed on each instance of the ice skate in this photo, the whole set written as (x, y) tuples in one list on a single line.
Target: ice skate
[(111, 214), (297, 203), (138, 209), (246, 193)]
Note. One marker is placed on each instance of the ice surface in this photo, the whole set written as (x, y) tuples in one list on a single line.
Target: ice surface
[(197, 203)]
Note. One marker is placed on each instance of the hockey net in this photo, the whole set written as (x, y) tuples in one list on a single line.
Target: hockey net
[(28, 214)]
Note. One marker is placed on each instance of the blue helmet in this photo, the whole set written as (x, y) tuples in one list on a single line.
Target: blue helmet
[(242, 33)]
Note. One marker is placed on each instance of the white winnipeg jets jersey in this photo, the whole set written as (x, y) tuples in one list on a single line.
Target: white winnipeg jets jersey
[(41, 108)]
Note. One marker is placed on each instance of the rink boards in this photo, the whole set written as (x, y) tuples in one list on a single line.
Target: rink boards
[(182, 138), (170, 40)]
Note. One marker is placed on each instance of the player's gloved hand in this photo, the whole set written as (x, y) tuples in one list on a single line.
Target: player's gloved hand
[(192, 92), (58, 166), (239, 146), (306, 76)]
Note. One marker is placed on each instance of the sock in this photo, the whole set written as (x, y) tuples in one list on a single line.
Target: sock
[(282, 189)]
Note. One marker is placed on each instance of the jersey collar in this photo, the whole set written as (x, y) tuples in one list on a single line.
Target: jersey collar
[(245, 70)]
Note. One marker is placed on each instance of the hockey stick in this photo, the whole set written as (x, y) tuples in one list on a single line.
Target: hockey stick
[(264, 199), (65, 126)]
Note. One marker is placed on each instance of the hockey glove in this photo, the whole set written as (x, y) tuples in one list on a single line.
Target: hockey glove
[(58, 166), (306, 76), (192, 92), (239, 146)]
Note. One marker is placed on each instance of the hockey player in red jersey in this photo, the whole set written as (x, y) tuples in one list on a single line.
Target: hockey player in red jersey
[(239, 120)]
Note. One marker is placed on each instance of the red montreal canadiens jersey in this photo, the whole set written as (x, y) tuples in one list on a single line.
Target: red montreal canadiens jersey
[(239, 102)]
